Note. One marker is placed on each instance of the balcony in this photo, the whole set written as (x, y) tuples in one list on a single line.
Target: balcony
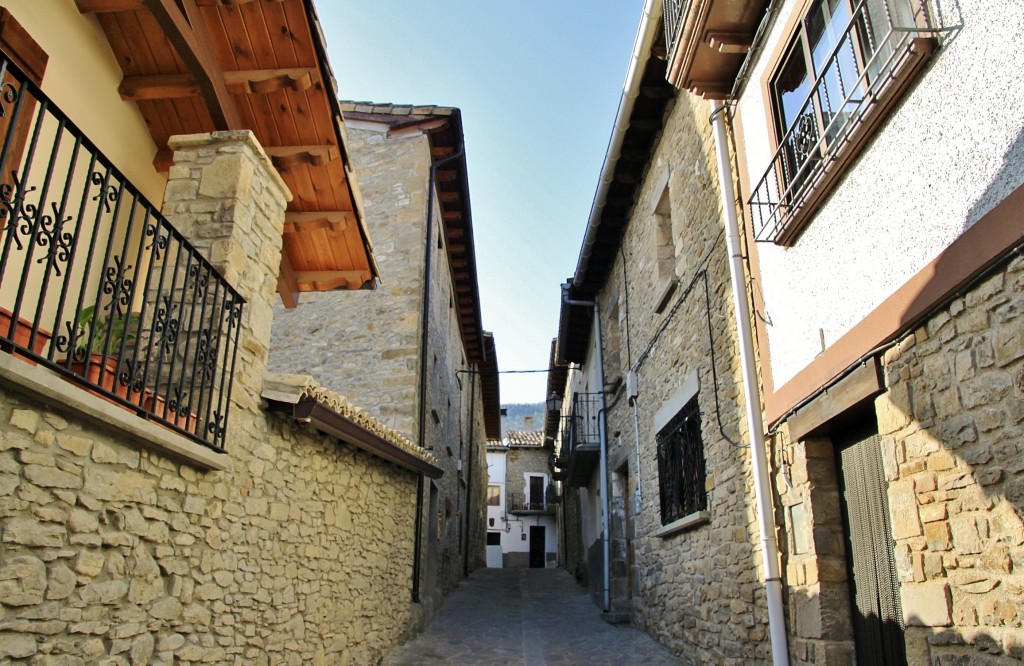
[(520, 504), (97, 286), (707, 42), (875, 59), (583, 445)]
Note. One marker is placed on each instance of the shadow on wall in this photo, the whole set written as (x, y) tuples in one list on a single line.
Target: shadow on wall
[(952, 429)]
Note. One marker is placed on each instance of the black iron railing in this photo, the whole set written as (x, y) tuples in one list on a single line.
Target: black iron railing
[(673, 19), (848, 82), (519, 502), (584, 428), (96, 285)]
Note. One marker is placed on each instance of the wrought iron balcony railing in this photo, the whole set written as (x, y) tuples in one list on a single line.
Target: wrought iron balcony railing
[(673, 19), (96, 285), (854, 80), (518, 503), (584, 428)]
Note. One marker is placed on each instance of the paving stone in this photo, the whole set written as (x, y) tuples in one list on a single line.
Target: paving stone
[(528, 617)]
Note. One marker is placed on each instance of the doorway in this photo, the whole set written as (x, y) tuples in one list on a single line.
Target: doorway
[(874, 585), (538, 538)]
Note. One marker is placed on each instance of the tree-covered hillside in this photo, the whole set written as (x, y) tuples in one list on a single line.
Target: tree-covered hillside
[(517, 411)]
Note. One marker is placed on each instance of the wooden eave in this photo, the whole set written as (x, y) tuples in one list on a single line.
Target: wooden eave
[(638, 145), (558, 374), (196, 66), (714, 37), (488, 369)]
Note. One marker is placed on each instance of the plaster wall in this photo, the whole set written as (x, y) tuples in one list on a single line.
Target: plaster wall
[(82, 77), (950, 151)]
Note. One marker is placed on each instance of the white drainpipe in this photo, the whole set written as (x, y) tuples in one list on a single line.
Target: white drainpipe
[(759, 459)]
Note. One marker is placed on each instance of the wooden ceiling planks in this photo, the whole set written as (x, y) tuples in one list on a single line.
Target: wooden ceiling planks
[(278, 91)]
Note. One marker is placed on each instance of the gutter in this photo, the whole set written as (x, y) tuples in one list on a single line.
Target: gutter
[(631, 89)]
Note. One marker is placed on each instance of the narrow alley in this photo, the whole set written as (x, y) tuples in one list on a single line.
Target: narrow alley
[(525, 616)]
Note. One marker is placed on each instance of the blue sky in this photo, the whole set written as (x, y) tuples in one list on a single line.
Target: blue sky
[(538, 82)]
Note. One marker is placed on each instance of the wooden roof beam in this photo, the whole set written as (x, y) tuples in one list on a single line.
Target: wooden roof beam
[(103, 6), (330, 280), (285, 157), (287, 286), (336, 220), (244, 82), (187, 32)]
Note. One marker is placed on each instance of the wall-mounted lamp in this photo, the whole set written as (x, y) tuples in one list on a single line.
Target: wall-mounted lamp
[(554, 402)]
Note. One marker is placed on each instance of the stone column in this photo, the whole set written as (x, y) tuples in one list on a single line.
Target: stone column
[(225, 196)]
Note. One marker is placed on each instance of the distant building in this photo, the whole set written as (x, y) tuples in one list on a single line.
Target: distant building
[(521, 524)]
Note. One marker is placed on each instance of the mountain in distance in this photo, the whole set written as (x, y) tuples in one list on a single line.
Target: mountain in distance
[(517, 412)]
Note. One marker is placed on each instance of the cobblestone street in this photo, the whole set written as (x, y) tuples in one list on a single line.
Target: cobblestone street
[(525, 616)]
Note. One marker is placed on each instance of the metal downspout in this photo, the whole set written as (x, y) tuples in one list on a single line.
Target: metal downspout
[(424, 339), (759, 459), (469, 469), (603, 436)]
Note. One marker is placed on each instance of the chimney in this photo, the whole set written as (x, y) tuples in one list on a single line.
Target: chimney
[(527, 423), (504, 423)]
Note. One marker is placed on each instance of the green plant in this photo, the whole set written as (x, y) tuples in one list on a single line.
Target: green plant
[(107, 332)]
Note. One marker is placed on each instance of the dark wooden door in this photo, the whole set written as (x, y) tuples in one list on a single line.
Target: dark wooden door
[(537, 539), (874, 586)]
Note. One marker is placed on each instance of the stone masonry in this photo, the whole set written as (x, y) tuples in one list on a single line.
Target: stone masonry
[(110, 553), (366, 344), (698, 590), (951, 423)]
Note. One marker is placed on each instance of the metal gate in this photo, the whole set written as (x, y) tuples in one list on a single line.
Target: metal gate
[(877, 615)]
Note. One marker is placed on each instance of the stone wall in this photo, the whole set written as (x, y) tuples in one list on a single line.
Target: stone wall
[(951, 430), (698, 589), (300, 554), (300, 551), (366, 345)]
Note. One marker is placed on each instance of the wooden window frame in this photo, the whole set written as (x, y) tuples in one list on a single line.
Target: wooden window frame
[(908, 68), (30, 57)]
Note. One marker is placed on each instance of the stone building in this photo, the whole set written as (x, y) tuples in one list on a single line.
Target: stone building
[(163, 498), (437, 386), (884, 225), (850, 493), (668, 539), (521, 502)]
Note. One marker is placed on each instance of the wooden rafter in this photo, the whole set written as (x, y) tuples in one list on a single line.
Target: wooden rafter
[(188, 34), (287, 286), (102, 6), (284, 157), (328, 280), (337, 221), (258, 82)]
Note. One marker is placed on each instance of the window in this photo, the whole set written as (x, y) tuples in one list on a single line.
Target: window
[(494, 538), (835, 79), (665, 250), (681, 475), (493, 495), (536, 493)]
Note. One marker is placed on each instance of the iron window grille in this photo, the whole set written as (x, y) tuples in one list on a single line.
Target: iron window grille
[(681, 473), (96, 285), (839, 66)]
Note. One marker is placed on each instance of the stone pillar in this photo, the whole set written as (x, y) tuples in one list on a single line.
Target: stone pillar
[(225, 196)]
